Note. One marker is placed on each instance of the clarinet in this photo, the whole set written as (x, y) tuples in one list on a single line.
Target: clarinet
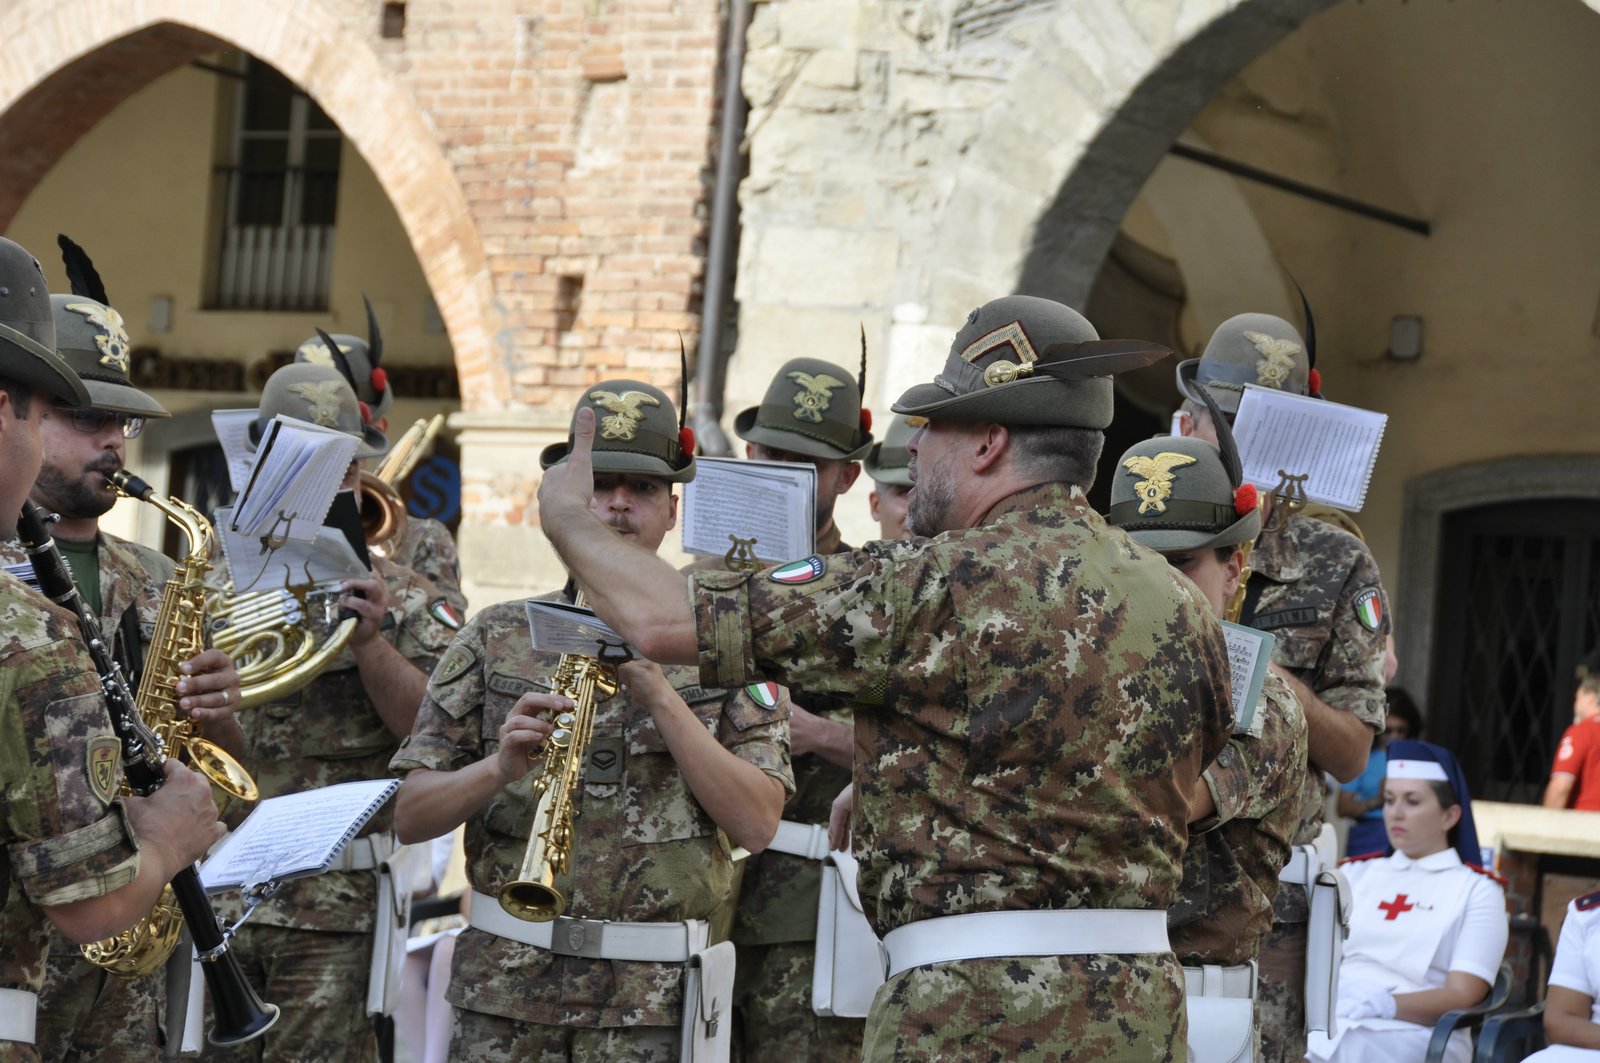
[(240, 1014)]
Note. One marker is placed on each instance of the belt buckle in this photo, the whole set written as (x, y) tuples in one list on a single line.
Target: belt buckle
[(578, 937)]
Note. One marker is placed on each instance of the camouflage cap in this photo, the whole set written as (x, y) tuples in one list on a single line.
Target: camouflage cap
[(90, 338), (1247, 349), (28, 330), (319, 395), (636, 430), (811, 407), (1027, 361), (370, 382), (1174, 493), (889, 462)]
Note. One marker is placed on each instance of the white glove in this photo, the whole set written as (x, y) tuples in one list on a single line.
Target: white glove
[(1366, 1000)]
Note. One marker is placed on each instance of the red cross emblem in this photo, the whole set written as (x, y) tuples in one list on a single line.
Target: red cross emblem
[(1392, 909)]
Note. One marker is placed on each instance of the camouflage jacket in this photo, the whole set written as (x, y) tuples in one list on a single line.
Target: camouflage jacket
[(131, 575), (330, 733), (428, 549), (59, 767), (644, 850), (1322, 597), (1035, 698), (1230, 870), (779, 893)]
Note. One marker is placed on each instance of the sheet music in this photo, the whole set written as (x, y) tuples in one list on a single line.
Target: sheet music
[(773, 502), (1249, 653), (1334, 446), (297, 470), (233, 433), (252, 567), (295, 835), (556, 627)]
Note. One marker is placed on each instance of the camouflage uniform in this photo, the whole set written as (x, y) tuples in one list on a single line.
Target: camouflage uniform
[(644, 851), (1034, 700), (310, 947), (1230, 871), (1313, 578), (429, 549), (775, 924), (59, 765), (85, 1012)]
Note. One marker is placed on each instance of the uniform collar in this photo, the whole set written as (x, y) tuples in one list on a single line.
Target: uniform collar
[(1047, 495), (831, 541), (1442, 860)]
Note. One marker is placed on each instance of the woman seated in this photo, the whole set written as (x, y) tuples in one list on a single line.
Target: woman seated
[(1572, 1006), (1427, 927)]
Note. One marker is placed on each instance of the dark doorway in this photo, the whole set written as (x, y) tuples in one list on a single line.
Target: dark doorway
[(1519, 609)]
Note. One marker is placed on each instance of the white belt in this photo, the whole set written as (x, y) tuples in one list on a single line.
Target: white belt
[(594, 939), (1211, 980), (366, 853), (807, 840), (1305, 863), (1068, 932), (19, 1009)]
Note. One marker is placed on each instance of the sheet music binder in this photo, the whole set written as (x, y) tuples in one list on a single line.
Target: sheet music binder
[(276, 842)]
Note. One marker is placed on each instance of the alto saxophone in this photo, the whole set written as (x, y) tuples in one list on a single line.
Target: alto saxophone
[(179, 635), (586, 681)]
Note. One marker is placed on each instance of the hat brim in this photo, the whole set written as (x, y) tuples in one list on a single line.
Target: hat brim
[(1029, 401), (897, 476), (1226, 397), (621, 461), (372, 444), (1169, 540), (121, 398), (36, 366), (795, 441)]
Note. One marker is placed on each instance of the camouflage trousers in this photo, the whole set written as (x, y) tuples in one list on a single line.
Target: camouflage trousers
[(319, 980), (1281, 994), (86, 1013), (772, 1010), (476, 1037), (1031, 1010)]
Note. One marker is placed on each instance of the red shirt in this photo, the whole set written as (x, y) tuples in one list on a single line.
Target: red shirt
[(1579, 756)]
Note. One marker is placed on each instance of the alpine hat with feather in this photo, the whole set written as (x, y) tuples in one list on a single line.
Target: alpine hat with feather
[(1022, 360), (1249, 349), (363, 358), (812, 407), (90, 337), (636, 430), (28, 330), (320, 395)]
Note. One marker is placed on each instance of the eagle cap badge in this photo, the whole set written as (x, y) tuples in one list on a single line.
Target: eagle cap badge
[(1156, 487), (1277, 358), (814, 395), (624, 410), (322, 396), (111, 336)]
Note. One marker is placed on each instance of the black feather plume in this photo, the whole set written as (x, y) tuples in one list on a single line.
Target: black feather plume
[(1311, 324), (374, 338), (861, 378), (683, 383), (81, 274), (1082, 359), (340, 361), (1225, 443)]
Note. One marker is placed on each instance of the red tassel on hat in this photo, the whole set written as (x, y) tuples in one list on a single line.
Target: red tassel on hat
[(1244, 499), (380, 381), (866, 419), (1314, 384), (366, 412), (686, 440)]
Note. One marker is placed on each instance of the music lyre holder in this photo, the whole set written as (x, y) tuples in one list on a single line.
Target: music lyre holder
[(1290, 498), (741, 556)]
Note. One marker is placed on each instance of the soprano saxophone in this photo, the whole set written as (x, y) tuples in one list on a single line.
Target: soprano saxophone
[(586, 681)]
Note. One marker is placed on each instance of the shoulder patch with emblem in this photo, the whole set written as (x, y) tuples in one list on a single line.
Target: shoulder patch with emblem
[(457, 661), (105, 766), (797, 572), (1369, 608), (445, 613), (764, 694)]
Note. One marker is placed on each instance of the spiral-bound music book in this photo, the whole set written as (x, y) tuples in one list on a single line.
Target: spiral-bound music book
[(1334, 447), (295, 835)]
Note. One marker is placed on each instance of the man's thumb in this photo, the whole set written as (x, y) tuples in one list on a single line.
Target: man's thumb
[(583, 432)]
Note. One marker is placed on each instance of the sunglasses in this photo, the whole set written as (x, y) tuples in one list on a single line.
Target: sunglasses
[(91, 422)]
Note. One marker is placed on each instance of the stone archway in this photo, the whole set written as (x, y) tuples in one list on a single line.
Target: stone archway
[(69, 62)]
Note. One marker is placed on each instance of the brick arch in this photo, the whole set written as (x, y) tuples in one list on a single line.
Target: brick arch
[(68, 63)]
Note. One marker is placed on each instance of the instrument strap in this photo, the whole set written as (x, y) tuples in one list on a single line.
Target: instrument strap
[(130, 635), (1252, 597)]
